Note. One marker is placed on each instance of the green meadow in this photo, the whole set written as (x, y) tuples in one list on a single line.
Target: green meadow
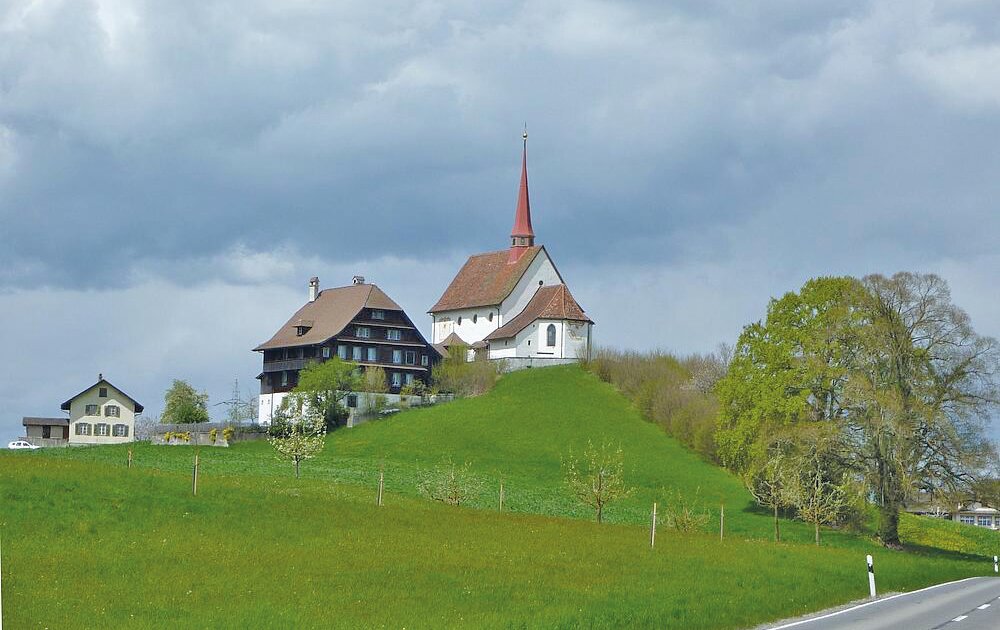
[(89, 543)]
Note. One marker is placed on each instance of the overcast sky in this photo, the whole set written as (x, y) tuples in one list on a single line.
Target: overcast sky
[(172, 173)]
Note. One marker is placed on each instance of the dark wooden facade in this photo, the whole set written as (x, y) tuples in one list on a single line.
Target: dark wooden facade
[(392, 343)]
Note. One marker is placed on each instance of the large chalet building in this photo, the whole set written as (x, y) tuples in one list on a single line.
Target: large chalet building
[(513, 303), (358, 323)]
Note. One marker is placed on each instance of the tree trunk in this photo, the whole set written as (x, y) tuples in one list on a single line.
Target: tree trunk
[(816, 524), (777, 531), (888, 523), (296, 469), (600, 513)]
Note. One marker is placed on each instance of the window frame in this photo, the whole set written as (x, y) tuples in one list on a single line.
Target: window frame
[(112, 411), (550, 336), (410, 357), (362, 332), (378, 313), (394, 334), (102, 429), (396, 379), (372, 354), (356, 353), (397, 357), (83, 428), (424, 361), (92, 410), (123, 432)]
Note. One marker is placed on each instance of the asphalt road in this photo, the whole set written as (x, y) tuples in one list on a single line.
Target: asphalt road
[(972, 604)]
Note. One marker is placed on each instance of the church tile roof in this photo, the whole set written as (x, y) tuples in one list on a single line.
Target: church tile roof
[(551, 302), (485, 280)]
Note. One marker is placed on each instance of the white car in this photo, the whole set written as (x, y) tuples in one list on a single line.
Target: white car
[(21, 444)]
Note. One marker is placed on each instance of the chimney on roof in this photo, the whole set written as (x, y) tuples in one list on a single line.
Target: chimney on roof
[(313, 288), (358, 279), (100, 376)]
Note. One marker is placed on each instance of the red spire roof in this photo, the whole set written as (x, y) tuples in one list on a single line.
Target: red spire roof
[(522, 218)]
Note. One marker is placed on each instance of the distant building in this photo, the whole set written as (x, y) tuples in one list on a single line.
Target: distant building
[(977, 514), (513, 303), (100, 414), (358, 323)]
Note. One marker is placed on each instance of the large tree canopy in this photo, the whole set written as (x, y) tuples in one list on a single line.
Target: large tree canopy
[(184, 405), (324, 386), (891, 363)]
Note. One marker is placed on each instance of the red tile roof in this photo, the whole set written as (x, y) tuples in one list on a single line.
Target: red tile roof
[(551, 302), (485, 280), (328, 315)]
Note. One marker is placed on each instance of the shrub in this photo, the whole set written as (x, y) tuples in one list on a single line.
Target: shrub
[(465, 378), (213, 434), (227, 434), (450, 484), (685, 514)]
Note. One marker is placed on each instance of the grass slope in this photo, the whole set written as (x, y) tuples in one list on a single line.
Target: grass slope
[(88, 543)]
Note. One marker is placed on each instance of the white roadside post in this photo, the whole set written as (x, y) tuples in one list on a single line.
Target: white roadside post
[(871, 577), (996, 565)]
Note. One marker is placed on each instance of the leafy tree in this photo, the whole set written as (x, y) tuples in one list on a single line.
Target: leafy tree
[(598, 478), (373, 380), (450, 484), (461, 377), (789, 369), (324, 386), (184, 405), (922, 389), (302, 435)]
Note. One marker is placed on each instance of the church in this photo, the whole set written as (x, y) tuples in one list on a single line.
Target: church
[(513, 303)]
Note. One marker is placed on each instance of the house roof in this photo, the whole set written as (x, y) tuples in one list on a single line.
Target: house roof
[(485, 279), (29, 421), (328, 315), (551, 302), (135, 404)]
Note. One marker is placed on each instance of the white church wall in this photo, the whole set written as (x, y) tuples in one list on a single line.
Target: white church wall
[(540, 269), (475, 323)]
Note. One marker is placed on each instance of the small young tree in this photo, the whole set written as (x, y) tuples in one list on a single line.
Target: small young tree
[(598, 478), (817, 498), (769, 479), (450, 484), (184, 405), (302, 437), (685, 514)]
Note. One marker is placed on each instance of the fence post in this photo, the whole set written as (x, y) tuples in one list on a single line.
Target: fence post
[(722, 520), (871, 576), (129, 458), (652, 528), (500, 508), (194, 476), (381, 485)]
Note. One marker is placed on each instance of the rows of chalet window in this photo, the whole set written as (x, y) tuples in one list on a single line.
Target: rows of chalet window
[(110, 411), (102, 429)]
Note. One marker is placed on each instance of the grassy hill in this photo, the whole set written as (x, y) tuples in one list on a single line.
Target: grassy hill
[(87, 542)]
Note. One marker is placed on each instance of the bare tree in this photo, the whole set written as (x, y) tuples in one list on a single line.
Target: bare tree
[(450, 484), (770, 480), (598, 478), (709, 369)]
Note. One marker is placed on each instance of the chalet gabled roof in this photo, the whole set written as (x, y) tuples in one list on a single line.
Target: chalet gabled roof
[(328, 315), (486, 279), (103, 381), (551, 302)]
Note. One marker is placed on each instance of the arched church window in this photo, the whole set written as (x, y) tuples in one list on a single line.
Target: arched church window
[(550, 335), (460, 321), (475, 318)]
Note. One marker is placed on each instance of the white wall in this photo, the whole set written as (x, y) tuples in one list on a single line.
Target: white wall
[(540, 269), (268, 404), (571, 341), (78, 413), (446, 322)]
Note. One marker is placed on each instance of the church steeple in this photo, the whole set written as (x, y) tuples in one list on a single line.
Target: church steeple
[(522, 236)]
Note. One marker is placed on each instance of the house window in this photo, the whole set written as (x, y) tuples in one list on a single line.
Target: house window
[(397, 356), (423, 360), (475, 318), (284, 379), (120, 430), (326, 352), (103, 392), (92, 410), (410, 358), (550, 335), (377, 314), (342, 352), (352, 401), (408, 379), (396, 379), (102, 429), (363, 332), (356, 353), (83, 428), (966, 519), (373, 355), (112, 411), (984, 521), (393, 335)]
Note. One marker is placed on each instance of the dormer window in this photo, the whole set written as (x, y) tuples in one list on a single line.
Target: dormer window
[(301, 330), (378, 314)]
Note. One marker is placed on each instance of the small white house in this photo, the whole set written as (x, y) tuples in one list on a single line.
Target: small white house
[(100, 414)]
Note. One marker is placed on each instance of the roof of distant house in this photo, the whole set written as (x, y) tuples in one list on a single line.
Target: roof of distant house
[(328, 315), (485, 280), (103, 381), (551, 302), (29, 421)]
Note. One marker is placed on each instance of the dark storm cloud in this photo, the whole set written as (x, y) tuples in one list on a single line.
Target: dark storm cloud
[(687, 159)]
